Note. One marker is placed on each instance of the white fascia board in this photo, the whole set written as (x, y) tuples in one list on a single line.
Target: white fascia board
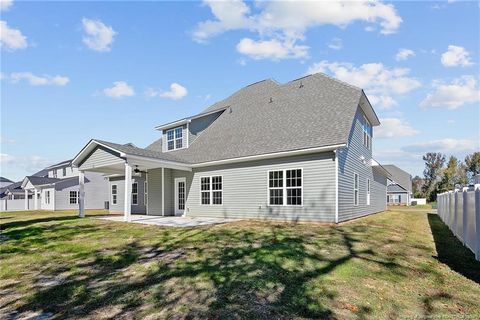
[(161, 163), (173, 124), (271, 155)]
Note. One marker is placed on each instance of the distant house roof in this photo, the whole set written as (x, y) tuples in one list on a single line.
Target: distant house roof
[(3, 179), (266, 117), (41, 181), (41, 173), (15, 188), (400, 177), (64, 163)]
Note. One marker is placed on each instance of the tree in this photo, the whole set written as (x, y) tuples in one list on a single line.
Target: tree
[(454, 174), (417, 184), (433, 168), (472, 163)]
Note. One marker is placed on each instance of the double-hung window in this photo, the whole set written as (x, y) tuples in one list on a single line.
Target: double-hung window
[(211, 190), (114, 193), (355, 189), (47, 197), (175, 138), (285, 187), (64, 171), (135, 193), (73, 197), (367, 133)]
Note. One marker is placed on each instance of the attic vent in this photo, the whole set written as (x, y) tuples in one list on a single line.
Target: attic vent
[(271, 100), (301, 84), (130, 145)]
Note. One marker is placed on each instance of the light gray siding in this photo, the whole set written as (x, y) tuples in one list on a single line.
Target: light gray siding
[(245, 189), (96, 192), (356, 158), (100, 157), (404, 198), (154, 179), (120, 182)]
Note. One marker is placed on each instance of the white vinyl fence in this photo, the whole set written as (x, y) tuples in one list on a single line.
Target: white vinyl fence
[(15, 204), (460, 211)]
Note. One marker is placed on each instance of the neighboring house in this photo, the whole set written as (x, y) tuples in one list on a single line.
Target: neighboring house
[(399, 189), (5, 182), (295, 151), (57, 188)]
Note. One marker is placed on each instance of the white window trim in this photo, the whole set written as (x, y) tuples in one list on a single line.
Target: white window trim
[(369, 198), (211, 190), (284, 188), (145, 192), (368, 143), (184, 140), (116, 194), (70, 197), (135, 204), (357, 197)]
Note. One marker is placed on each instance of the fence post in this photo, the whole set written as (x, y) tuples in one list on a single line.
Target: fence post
[(465, 214), (477, 222), (455, 212)]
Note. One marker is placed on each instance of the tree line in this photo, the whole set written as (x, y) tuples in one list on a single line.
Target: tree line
[(441, 175)]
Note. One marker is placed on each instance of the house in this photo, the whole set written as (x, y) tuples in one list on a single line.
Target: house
[(295, 151), (399, 188), (5, 182), (57, 188)]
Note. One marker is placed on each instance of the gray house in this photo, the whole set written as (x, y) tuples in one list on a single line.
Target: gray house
[(295, 151), (399, 186), (57, 188), (5, 182)]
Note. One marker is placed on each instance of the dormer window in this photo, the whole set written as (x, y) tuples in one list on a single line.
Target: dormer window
[(367, 133), (175, 138)]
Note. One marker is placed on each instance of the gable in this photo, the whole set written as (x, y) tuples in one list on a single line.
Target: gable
[(100, 157)]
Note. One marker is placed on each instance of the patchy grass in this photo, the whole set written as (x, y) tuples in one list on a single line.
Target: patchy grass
[(395, 264)]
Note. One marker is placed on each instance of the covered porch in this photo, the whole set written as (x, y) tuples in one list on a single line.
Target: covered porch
[(128, 161)]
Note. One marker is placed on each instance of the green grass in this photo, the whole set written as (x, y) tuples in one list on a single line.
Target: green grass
[(396, 264)]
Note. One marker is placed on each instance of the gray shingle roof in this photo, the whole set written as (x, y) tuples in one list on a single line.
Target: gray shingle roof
[(37, 181), (3, 179), (60, 164), (267, 117), (399, 176)]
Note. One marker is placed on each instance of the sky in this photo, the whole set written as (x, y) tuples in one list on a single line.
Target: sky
[(72, 71)]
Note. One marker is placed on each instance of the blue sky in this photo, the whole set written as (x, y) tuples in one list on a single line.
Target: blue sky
[(71, 71)]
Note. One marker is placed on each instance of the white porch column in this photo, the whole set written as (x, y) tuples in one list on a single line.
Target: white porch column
[(81, 194), (35, 200), (26, 199), (163, 191), (128, 193)]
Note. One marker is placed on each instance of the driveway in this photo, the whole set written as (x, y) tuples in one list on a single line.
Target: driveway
[(168, 221)]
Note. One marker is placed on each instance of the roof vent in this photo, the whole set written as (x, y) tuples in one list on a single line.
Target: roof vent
[(229, 109), (130, 145), (271, 100), (301, 84)]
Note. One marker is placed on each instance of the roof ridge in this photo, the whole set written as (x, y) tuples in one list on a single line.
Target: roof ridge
[(329, 77)]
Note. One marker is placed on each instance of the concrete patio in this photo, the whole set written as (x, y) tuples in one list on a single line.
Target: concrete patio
[(170, 221)]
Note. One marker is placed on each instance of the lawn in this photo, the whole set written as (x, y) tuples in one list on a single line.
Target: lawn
[(395, 264)]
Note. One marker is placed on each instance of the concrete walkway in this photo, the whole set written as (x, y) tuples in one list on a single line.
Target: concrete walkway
[(168, 221)]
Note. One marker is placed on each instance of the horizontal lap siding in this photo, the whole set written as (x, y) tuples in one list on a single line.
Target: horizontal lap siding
[(245, 189), (96, 192), (349, 162), (100, 157), (154, 178), (120, 182)]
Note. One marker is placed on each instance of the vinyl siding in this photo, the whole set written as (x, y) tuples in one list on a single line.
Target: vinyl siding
[(120, 182), (245, 189), (100, 157), (404, 198), (154, 178), (96, 192), (349, 162)]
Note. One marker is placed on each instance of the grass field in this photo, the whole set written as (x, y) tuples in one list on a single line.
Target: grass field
[(396, 264)]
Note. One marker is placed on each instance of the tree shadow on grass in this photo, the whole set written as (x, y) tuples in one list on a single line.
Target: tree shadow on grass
[(271, 272), (451, 251)]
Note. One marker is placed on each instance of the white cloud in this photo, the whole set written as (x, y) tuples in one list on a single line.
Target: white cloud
[(176, 92), (4, 140), (27, 164), (11, 39), (448, 145), (271, 49), (286, 22), (5, 5), (335, 44), (456, 56), (98, 36), (43, 80), (404, 54), (379, 81), (393, 128), (463, 90), (120, 89)]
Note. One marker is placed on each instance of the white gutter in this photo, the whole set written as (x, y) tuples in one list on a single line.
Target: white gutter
[(336, 185)]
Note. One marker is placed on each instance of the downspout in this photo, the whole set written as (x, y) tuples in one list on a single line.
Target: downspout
[(336, 184)]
